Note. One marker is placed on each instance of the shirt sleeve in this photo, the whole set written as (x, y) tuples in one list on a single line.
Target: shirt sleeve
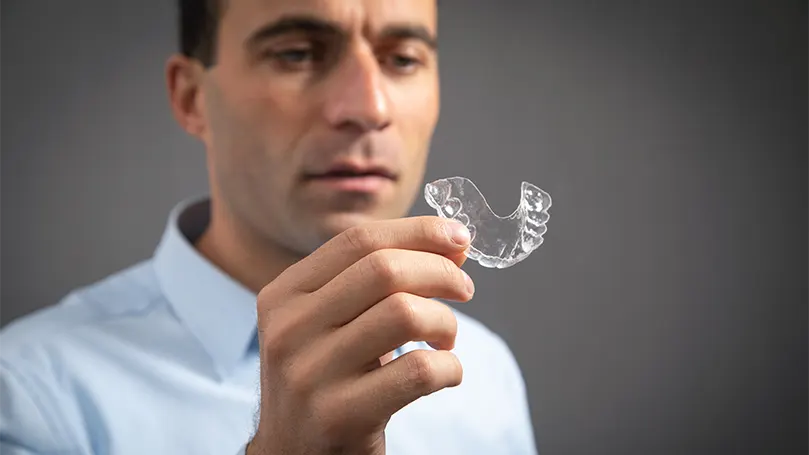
[(26, 428)]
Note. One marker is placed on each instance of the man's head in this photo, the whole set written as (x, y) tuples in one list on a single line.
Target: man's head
[(316, 114)]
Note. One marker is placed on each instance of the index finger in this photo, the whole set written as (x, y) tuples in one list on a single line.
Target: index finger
[(422, 233)]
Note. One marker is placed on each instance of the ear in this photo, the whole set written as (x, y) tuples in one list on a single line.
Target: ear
[(184, 83)]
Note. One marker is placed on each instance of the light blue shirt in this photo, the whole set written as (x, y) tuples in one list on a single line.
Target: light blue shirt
[(161, 358)]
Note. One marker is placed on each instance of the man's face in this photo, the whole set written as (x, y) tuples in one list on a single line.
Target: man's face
[(318, 114)]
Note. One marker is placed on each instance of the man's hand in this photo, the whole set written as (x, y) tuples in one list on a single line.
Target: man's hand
[(329, 324)]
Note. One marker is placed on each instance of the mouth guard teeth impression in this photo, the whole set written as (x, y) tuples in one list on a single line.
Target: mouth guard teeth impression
[(497, 242)]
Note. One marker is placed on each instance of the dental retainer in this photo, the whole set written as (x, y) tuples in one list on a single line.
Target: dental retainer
[(497, 242)]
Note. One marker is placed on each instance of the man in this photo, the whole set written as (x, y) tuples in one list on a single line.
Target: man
[(295, 310)]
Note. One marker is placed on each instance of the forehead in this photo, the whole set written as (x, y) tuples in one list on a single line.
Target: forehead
[(241, 17)]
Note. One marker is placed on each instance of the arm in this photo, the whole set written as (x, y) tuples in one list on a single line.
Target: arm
[(26, 426)]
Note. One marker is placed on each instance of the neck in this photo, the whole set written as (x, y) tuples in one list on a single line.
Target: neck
[(240, 252)]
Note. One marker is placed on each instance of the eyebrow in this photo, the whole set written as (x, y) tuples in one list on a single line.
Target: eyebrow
[(311, 24), (289, 24), (410, 31)]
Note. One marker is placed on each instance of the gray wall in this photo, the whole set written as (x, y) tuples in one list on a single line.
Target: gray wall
[(666, 311)]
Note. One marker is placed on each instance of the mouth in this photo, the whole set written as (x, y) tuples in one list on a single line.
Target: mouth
[(353, 178)]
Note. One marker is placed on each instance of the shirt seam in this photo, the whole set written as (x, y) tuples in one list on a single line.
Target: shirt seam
[(104, 317)]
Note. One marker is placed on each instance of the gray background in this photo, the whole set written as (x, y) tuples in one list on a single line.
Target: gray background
[(666, 311)]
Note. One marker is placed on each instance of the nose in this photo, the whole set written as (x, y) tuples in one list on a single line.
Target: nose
[(357, 98)]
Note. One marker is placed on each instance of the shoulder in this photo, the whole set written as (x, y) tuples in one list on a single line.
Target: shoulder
[(46, 346), (41, 349), (125, 294)]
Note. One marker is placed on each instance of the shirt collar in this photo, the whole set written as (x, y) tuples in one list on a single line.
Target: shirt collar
[(216, 309)]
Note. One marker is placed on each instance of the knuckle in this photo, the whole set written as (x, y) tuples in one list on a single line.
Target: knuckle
[(451, 272), (290, 275), (449, 319), (359, 238), (279, 326), (299, 379), (266, 298), (382, 266), (434, 230), (420, 371), (457, 371), (273, 345), (403, 313)]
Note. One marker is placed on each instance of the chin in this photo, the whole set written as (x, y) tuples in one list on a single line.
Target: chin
[(320, 223), (335, 223), (332, 224)]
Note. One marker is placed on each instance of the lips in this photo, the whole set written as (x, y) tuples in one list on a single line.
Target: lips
[(351, 177), (349, 171)]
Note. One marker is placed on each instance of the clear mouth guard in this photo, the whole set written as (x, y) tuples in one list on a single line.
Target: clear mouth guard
[(497, 242)]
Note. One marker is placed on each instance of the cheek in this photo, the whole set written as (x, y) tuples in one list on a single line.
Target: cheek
[(418, 99), (255, 123), (266, 113), (417, 113)]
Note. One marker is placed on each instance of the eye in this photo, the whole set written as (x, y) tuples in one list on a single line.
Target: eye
[(404, 57), (293, 55), (404, 61), (401, 63)]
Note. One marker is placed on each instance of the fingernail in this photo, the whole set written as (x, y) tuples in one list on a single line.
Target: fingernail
[(470, 286), (458, 232)]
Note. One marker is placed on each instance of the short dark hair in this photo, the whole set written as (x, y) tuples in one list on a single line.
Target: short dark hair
[(198, 25)]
